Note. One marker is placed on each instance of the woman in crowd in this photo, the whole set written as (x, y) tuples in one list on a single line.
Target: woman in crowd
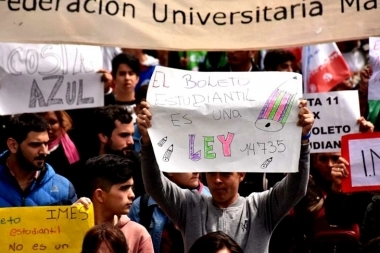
[(104, 238), (63, 152), (215, 242)]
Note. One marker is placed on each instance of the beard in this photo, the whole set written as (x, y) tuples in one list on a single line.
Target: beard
[(28, 165), (126, 152)]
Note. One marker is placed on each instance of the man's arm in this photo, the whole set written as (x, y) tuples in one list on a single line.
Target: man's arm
[(277, 202), (169, 197)]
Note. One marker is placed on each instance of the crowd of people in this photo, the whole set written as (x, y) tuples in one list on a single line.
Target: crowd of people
[(104, 157)]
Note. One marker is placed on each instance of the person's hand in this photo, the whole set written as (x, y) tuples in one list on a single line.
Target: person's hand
[(365, 126), (106, 78), (305, 119), (86, 202), (144, 121), (338, 172)]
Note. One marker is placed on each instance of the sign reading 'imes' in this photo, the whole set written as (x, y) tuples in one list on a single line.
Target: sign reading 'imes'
[(37, 78), (44, 229), (225, 121)]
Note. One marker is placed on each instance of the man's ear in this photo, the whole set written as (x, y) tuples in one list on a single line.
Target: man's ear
[(99, 195), (241, 176), (12, 145), (103, 138)]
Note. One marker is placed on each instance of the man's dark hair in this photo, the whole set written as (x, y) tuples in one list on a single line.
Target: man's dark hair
[(104, 171), (21, 125), (141, 93), (127, 59), (105, 117), (213, 242), (274, 58)]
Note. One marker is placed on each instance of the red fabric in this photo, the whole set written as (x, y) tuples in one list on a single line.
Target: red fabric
[(324, 67)]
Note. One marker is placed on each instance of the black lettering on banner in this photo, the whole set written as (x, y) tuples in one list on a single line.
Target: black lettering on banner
[(70, 99), (81, 100), (109, 8), (86, 8), (83, 212), (36, 95), (10, 61), (79, 64), (44, 8), (51, 100), (316, 115), (325, 145), (51, 55)]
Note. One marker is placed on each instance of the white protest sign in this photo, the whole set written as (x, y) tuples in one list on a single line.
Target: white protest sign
[(335, 113), (374, 81), (362, 151), (365, 162), (36, 78), (230, 121)]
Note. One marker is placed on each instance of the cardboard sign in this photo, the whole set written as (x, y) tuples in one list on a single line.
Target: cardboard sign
[(362, 151), (232, 121), (38, 78), (336, 114), (187, 25), (44, 229)]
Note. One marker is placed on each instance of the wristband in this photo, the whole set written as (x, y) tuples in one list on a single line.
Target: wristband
[(306, 137)]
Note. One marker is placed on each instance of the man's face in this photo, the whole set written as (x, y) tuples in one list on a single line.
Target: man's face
[(118, 200), (324, 163), (285, 67), (32, 152), (121, 139), (239, 57), (125, 79), (224, 187)]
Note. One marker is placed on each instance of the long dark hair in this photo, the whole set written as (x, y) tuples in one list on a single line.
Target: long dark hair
[(213, 242), (110, 235)]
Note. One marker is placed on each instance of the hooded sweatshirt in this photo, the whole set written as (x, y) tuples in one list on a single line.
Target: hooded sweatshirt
[(249, 221), (138, 239)]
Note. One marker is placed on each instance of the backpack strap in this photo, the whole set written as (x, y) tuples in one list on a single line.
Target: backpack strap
[(146, 212)]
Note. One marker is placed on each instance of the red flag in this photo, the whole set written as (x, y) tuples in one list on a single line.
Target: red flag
[(323, 67)]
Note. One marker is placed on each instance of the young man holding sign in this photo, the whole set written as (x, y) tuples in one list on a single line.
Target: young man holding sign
[(249, 221)]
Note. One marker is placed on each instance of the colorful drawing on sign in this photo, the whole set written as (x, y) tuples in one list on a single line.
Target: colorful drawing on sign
[(276, 110), (162, 141), (167, 154), (266, 163)]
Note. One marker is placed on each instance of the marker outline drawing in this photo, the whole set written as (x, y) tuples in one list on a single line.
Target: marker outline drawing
[(168, 153), (276, 110), (162, 141), (266, 163)]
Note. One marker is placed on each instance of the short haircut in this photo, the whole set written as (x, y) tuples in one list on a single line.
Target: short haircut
[(21, 125), (141, 93), (213, 242), (104, 171), (127, 59), (104, 233), (105, 117), (274, 58)]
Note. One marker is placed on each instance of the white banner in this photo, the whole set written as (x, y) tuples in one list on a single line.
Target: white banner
[(231, 121), (336, 114), (374, 81), (40, 77), (188, 25)]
